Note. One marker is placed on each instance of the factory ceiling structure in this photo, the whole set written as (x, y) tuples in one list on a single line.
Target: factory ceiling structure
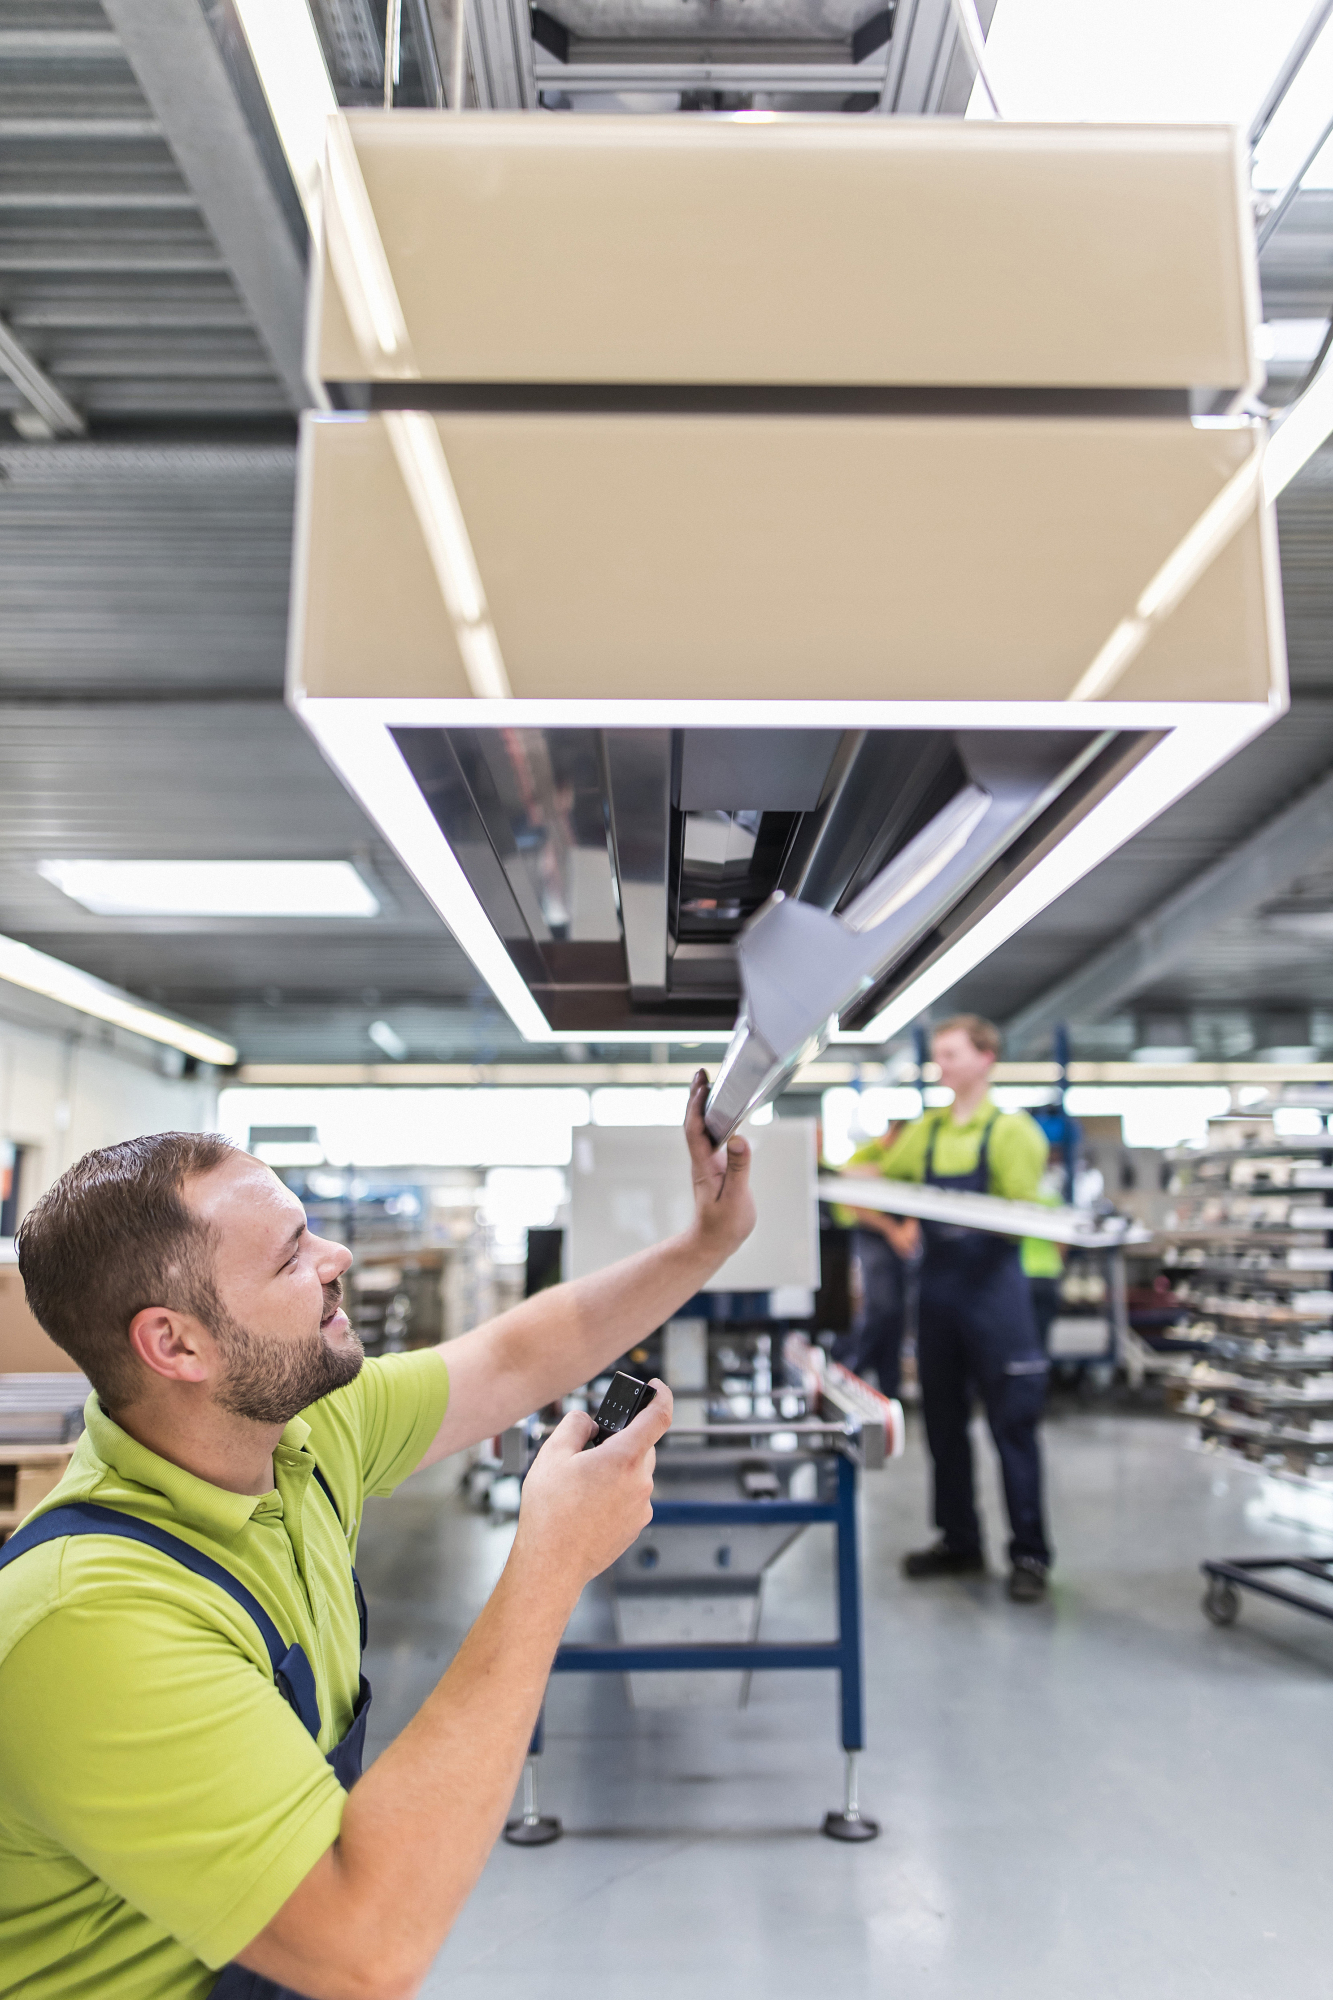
[(154, 256)]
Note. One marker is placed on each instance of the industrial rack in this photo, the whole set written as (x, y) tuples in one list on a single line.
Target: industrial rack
[(1249, 1248)]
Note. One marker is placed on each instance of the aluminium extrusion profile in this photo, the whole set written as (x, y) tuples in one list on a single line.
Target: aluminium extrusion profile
[(992, 1213)]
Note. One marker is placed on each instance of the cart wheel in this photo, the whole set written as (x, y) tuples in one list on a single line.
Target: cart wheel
[(1221, 1601)]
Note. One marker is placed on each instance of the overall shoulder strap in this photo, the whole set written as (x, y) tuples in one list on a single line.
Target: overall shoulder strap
[(291, 1670), (362, 1616), (328, 1494), (934, 1121), (983, 1150)]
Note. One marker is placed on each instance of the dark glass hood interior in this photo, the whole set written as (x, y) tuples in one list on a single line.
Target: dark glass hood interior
[(619, 865)]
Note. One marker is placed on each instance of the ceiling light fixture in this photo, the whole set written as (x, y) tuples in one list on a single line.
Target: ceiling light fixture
[(213, 888), (35, 972), (356, 737)]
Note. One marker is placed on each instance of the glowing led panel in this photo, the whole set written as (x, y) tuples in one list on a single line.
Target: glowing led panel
[(213, 888)]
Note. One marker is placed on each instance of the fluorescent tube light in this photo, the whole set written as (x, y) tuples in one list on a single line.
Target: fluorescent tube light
[(1197, 548), (387, 1040), (213, 888), (380, 328), (372, 766), (358, 258), (419, 450), (1292, 443), (33, 970), (292, 73)]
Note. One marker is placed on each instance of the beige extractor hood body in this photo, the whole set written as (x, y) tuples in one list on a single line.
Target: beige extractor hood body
[(713, 515)]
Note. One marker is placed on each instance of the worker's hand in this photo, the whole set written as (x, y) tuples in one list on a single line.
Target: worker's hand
[(723, 1204), (581, 1509), (902, 1233)]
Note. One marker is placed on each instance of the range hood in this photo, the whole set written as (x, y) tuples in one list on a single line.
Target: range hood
[(748, 569)]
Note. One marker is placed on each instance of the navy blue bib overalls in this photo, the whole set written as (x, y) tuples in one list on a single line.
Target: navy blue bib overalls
[(977, 1335), (292, 1673)]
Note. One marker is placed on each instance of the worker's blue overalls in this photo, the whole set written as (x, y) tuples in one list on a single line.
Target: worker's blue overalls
[(976, 1334), (292, 1673)]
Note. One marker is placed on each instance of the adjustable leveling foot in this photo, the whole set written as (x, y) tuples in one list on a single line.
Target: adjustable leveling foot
[(533, 1829), (850, 1823)]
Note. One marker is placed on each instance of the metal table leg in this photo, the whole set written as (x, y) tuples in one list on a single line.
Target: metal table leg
[(533, 1829), (850, 1823)]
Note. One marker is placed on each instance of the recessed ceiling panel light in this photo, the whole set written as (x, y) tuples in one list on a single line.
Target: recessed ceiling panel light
[(213, 888)]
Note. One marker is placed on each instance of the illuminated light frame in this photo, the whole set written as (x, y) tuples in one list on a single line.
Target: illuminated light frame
[(37, 972), (354, 734)]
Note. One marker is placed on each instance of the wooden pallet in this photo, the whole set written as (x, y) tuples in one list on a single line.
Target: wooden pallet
[(28, 1472)]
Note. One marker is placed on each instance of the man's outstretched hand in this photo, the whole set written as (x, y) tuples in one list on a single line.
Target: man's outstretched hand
[(723, 1204)]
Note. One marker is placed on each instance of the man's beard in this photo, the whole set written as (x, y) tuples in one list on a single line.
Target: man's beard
[(270, 1383)]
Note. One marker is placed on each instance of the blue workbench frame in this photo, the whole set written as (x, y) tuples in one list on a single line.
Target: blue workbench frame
[(842, 1655)]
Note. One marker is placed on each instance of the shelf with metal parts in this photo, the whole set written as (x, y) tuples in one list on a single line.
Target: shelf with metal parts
[(1248, 1257)]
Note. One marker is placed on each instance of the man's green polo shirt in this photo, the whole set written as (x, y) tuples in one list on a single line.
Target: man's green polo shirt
[(159, 1799), (1016, 1156)]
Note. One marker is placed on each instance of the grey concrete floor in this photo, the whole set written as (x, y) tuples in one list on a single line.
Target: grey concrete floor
[(1104, 1796)]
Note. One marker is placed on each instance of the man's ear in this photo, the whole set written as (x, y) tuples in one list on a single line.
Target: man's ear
[(170, 1344)]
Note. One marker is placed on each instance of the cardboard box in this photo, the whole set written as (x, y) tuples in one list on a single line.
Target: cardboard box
[(24, 1348)]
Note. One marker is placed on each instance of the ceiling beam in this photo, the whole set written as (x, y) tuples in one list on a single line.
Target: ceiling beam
[(1254, 871), (49, 413), (499, 38), (929, 71), (182, 73)]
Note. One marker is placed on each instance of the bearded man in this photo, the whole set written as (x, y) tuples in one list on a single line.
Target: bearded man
[(182, 1709)]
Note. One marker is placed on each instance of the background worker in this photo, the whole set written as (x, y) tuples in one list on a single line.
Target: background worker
[(173, 1818), (975, 1329)]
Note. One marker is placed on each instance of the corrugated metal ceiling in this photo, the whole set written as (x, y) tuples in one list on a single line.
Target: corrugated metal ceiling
[(108, 273), (149, 569)]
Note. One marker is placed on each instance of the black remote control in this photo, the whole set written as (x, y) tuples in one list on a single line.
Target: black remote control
[(620, 1405)]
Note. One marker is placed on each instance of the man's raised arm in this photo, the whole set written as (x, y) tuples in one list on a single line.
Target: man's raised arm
[(550, 1344)]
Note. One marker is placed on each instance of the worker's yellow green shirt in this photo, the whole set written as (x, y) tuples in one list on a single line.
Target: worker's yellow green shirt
[(1016, 1156), (159, 1799)]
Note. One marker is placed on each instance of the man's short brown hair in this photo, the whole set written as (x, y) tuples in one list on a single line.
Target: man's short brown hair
[(983, 1034), (115, 1234)]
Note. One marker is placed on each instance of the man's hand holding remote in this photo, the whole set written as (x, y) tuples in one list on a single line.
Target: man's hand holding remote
[(581, 1509)]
